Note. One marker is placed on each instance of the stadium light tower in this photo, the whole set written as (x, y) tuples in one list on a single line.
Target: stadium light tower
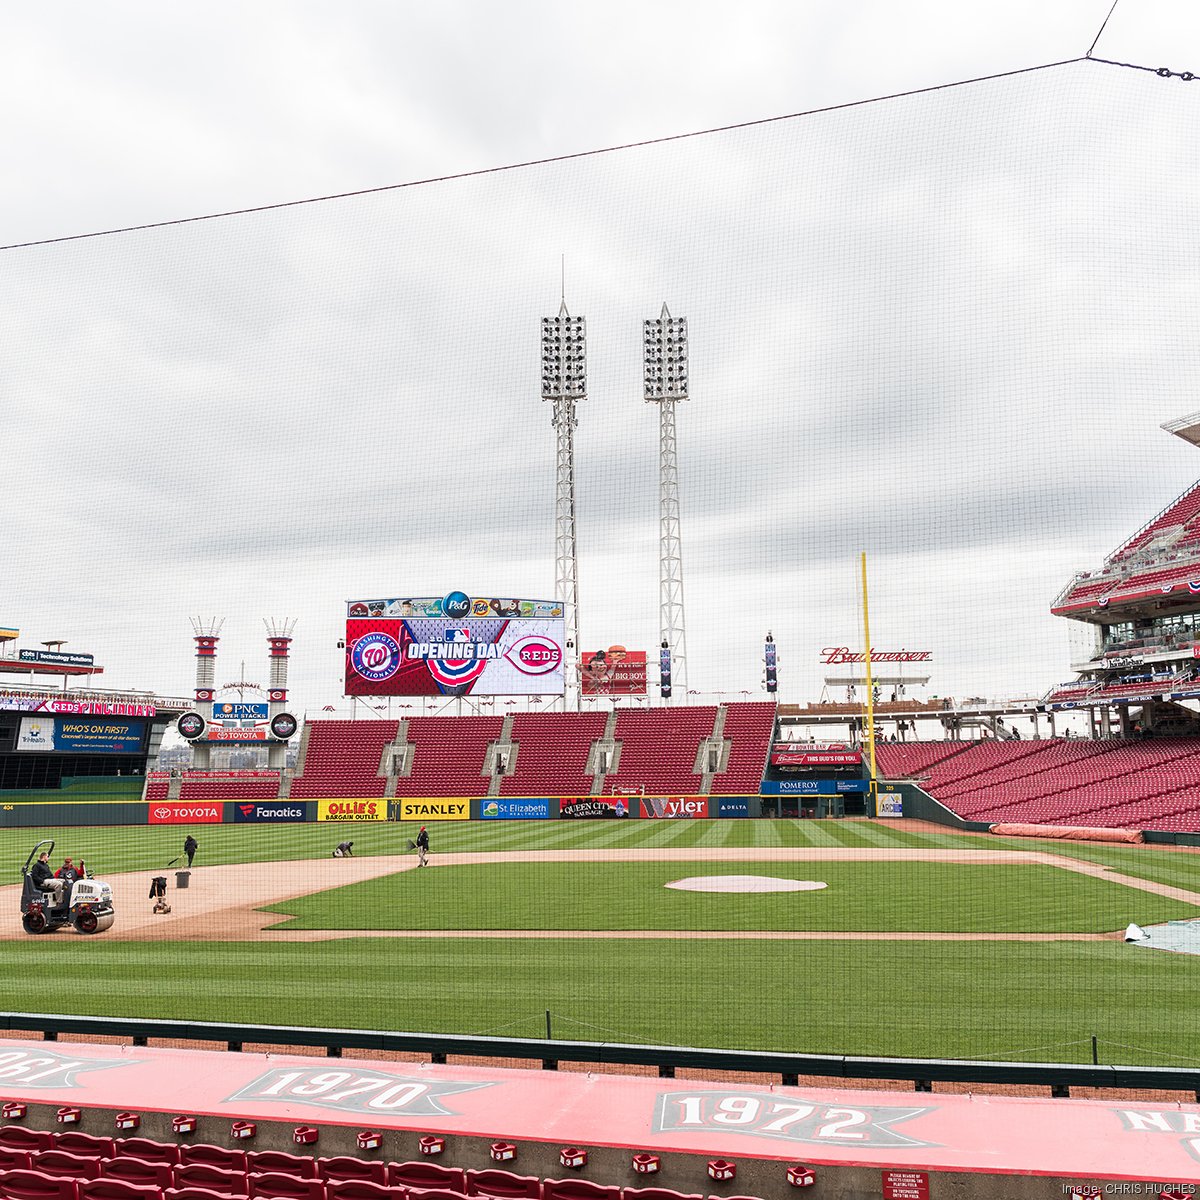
[(564, 383), (665, 370)]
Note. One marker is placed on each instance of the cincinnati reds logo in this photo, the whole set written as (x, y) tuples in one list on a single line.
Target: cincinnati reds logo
[(375, 656), (535, 655)]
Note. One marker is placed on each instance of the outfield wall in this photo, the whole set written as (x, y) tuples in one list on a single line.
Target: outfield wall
[(52, 809)]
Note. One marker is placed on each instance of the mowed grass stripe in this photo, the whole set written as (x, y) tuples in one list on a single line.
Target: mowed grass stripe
[(860, 896), (993, 1001)]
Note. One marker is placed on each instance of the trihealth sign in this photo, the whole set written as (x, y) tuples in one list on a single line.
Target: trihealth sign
[(426, 809), (352, 810)]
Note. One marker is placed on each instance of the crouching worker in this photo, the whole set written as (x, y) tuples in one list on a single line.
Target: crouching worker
[(44, 879), (344, 850), (158, 893)]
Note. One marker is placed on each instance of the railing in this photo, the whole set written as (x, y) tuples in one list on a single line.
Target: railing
[(1059, 1078)]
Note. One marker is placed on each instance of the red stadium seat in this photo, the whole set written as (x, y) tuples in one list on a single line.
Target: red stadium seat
[(198, 1194), (578, 1189), (426, 1176), (280, 1162), (361, 1189), (135, 1170), (214, 1156), (14, 1160), (210, 1178), (116, 1189), (33, 1185), (503, 1184), (148, 1151), (279, 1186), (346, 1168), (75, 1142), (434, 1194), (17, 1137), (68, 1166)]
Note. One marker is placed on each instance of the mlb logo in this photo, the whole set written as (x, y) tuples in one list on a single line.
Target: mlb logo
[(457, 635)]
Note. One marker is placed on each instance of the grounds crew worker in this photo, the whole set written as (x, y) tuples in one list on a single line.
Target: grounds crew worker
[(423, 847), (190, 846)]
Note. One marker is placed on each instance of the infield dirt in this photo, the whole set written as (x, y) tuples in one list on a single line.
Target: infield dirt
[(222, 903)]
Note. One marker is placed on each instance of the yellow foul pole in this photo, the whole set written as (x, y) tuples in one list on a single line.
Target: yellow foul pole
[(870, 731)]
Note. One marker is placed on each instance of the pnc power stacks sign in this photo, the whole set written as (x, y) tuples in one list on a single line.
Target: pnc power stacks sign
[(454, 645)]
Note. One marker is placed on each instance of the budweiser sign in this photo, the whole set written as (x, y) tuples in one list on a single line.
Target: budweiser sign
[(835, 656)]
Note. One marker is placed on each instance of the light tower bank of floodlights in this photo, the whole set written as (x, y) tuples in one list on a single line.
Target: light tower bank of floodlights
[(665, 363), (206, 635), (564, 382)]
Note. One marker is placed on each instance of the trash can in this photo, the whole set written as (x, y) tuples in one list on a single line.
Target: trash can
[(181, 879)]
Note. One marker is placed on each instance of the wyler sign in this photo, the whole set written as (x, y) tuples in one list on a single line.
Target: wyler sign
[(352, 810)]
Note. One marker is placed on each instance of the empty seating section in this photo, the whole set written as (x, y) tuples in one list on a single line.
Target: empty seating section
[(157, 783), (203, 785), (912, 760), (449, 756), (552, 753), (1104, 783), (659, 747), (1178, 512), (192, 1172), (980, 757), (748, 728), (342, 759), (1044, 763)]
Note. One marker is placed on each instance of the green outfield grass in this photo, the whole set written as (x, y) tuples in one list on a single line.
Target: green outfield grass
[(1008, 1000), (887, 896), (1004, 1000)]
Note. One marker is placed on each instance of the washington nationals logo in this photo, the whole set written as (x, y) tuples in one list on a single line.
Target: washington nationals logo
[(375, 656)]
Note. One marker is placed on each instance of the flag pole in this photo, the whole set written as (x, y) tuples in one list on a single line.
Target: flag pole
[(870, 730)]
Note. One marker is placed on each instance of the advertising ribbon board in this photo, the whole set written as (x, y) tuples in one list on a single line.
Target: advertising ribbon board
[(425, 808), (195, 813), (352, 810), (527, 808), (595, 806), (674, 806), (70, 735)]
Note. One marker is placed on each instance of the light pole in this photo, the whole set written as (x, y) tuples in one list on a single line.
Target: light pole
[(564, 382), (665, 372)]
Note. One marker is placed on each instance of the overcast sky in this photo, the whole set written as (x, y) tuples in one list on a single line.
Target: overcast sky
[(941, 329)]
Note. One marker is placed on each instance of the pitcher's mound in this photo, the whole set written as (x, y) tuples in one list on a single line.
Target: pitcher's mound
[(745, 883)]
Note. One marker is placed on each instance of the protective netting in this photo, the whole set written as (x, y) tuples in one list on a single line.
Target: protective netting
[(941, 329)]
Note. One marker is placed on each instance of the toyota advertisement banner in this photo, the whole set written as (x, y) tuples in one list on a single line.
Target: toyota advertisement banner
[(519, 652)]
